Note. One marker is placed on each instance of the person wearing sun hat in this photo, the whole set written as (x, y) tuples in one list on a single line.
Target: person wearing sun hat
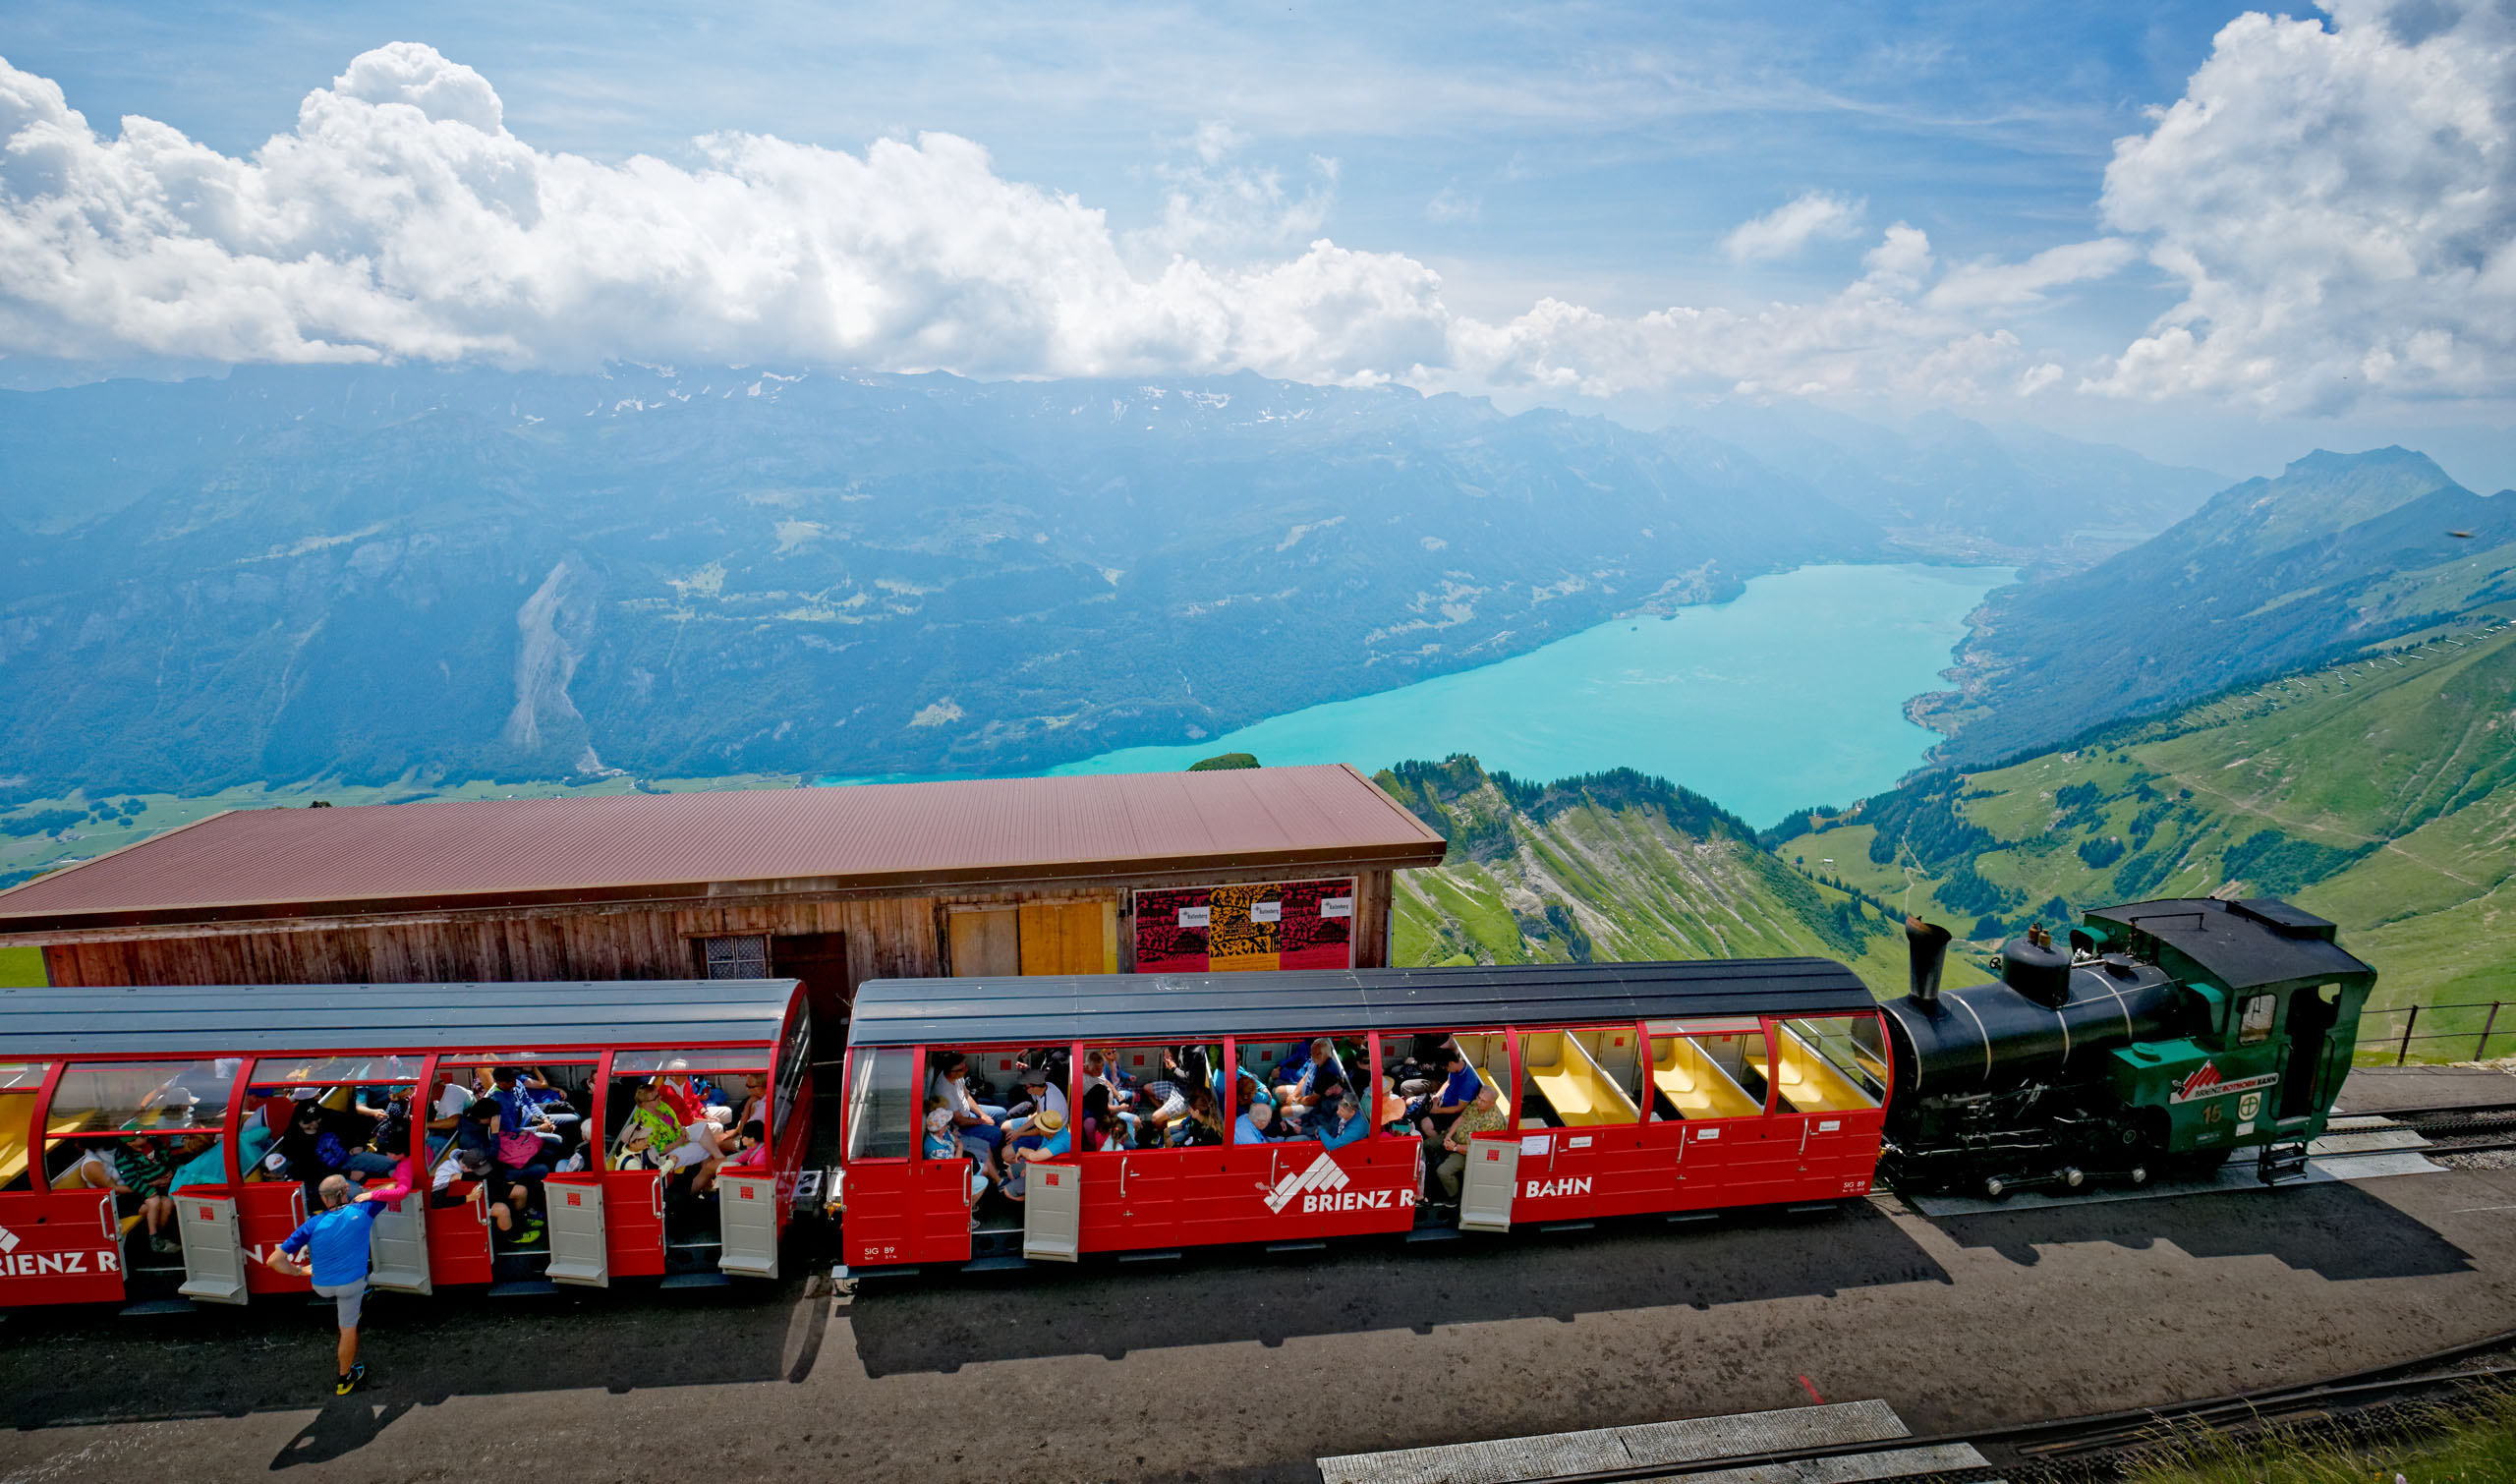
[(1047, 1139)]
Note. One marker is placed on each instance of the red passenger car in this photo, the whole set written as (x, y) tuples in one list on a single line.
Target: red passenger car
[(110, 1096), (1621, 1089)]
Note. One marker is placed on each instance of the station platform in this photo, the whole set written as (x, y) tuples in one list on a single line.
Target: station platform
[(2387, 1089), (1692, 1449)]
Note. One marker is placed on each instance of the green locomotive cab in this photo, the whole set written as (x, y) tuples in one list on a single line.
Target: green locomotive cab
[(2273, 1007)]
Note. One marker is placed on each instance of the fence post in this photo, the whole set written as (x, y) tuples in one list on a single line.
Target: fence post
[(2408, 1021), (2480, 1053)]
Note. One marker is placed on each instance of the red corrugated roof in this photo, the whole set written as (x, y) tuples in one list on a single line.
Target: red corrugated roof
[(321, 862)]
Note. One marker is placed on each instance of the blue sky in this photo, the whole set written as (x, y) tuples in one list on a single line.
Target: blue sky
[(1601, 156)]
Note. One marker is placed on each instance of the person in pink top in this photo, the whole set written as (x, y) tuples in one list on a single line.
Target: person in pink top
[(336, 1241), (754, 1140)]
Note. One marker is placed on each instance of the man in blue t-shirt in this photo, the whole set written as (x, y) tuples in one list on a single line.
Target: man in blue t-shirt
[(1454, 1096), (339, 1237)]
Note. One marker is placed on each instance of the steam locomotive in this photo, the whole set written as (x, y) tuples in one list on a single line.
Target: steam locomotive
[(2162, 1038)]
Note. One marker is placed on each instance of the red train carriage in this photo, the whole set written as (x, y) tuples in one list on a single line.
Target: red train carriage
[(1623, 1088), (108, 1096)]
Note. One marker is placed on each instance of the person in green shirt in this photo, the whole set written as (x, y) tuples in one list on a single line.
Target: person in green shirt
[(1483, 1115), (143, 1175)]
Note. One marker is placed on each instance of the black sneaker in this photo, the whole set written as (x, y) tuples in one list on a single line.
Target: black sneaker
[(350, 1382)]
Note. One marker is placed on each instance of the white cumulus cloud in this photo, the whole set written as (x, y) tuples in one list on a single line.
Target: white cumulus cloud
[(2339, 203), (2336, 204), (1791, 226)]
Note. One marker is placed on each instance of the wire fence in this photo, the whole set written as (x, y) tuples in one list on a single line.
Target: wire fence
[(2436, 1033)]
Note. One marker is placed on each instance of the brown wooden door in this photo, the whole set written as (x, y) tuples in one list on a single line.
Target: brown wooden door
[(820, 960)]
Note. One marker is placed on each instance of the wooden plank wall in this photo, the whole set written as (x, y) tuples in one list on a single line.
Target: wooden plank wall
[(886, 937)]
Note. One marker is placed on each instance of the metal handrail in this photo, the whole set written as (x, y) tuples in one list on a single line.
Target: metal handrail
[(2401, 1041)]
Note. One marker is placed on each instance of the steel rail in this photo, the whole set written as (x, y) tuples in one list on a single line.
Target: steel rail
[(2037, 1450)]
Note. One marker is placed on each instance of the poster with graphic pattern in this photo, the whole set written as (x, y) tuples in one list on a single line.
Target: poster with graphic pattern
[(1270, 925)]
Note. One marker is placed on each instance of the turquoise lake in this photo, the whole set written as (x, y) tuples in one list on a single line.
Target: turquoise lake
[(1791, 694)]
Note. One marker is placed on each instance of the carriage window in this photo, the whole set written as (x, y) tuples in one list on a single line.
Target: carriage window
[(880, 1106), (794, 1059), (1821, 1068), (1708, 1068), (742, 1059), (100, 1097), (324, 1071), (19, 1082), (1578, 1078), (2259, 1010)]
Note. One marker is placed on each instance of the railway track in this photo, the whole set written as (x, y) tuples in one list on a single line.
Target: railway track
[(2458, 1131), (2358, 1404)]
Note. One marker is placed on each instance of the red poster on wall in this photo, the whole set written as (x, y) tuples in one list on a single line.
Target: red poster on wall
[(1272, 924)]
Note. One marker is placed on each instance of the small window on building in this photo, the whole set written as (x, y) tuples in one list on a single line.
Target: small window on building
[(744, 957), (2258, 1012), (880, 1109)]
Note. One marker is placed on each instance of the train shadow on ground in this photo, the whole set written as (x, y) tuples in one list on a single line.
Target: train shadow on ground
[(1237, 1294), (2337, 1230), (79, 1368)]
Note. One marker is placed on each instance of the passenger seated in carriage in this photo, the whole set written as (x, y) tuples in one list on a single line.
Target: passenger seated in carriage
[(688, 1146), (1293, 1098), (1103, 1126), (1202, 1127), (459, 1165), (1253, 1124), (1332, 1121), (1458, 1089), (1046, 1140), (751, 1146), (143, 1175)]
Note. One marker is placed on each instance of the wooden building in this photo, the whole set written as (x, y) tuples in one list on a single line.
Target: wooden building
[(1258, 869)]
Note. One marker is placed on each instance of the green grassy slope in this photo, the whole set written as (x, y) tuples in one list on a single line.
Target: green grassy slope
[(2380, 793), (1614, 867)]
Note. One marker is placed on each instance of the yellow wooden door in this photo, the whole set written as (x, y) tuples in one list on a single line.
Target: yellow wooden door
[(1069, 938)]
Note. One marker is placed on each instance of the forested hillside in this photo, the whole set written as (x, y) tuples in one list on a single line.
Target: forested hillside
[(1614, 866), (2379, 792)]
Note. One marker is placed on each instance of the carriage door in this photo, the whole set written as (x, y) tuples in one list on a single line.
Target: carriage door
[(1703, 1110), (1052, 1212), (747, 1225), (1836, 1097), (1493, 1174), (398, 1244), (213, 1254), (580, 1246)]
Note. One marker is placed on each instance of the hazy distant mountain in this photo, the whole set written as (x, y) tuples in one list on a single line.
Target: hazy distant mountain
[(1944, 485), (363, 571), (2341, 550)]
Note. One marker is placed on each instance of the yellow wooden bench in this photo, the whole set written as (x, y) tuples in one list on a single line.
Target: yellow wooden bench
[(1810, 1083), (1582, 1094), (1695, 1084)]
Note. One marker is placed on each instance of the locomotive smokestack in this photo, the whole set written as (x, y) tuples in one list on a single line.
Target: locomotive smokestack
[(1927, 944)]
